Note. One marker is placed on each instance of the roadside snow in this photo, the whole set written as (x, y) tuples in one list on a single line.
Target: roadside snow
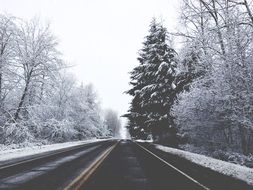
[(229, 169), (150, 141), (28, 151)]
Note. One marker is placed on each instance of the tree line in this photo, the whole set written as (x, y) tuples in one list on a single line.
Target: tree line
[(201, 96), (40, 101)]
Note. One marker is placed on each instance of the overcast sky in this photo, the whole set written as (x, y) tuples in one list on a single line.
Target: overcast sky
[(100, 37)]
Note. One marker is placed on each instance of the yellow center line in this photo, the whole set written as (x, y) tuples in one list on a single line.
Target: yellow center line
[(50, 153), (86, 174), (45, 154)]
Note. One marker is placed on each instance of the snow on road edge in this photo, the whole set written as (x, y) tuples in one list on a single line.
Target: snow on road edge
[(226, 168), (28, 151)]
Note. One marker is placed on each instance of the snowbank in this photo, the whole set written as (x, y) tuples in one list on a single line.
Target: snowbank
[(149, 141), (28, 151), (229, 169)]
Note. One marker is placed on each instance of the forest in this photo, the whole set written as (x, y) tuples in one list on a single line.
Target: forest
[(41, 102), (192, 88), (198, 97)]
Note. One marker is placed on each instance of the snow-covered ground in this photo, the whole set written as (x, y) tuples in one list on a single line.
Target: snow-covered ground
[(32, 150), (149, 141), (229, 169)]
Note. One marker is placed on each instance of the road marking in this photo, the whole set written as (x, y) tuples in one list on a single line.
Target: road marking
[(181, 172), (43, 156), (23, 177), (85, 175)]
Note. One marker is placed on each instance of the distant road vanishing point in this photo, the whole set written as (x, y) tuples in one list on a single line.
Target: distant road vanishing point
[(111, 164)]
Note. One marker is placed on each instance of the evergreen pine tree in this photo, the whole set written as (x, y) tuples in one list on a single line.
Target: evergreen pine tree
[(153, 88)]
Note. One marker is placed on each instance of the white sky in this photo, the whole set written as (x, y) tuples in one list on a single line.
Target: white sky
[(100, 37)]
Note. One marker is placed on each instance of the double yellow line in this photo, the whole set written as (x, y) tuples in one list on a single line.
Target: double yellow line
[(80, 180)]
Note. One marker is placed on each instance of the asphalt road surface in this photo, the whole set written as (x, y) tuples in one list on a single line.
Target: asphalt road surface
[(113, 165), (51, 172)]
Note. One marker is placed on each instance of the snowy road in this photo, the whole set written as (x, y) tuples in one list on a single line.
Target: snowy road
[(51, 171), (114, 165), (141, 166)]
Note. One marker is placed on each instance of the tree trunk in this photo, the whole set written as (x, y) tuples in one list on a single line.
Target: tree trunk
[(202, 29), (222, 46), (244, 144), (16, 115), (248, 11), (214, 15), (42, 88), (1, 76)]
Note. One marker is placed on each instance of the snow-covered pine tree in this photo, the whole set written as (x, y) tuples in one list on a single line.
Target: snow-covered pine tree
[(153, 87), (136, 118)]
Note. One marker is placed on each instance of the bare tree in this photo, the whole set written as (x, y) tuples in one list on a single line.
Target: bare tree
[(112, 121), (36, 55), (220, 102), (7, 29), (42, 100)]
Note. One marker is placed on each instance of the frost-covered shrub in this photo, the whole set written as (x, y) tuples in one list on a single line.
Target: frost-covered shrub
[(221, 155), (192, 148), (241, 159), (58, 131), (216, 116), (14, 133), (249, 161), (232, 157)]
